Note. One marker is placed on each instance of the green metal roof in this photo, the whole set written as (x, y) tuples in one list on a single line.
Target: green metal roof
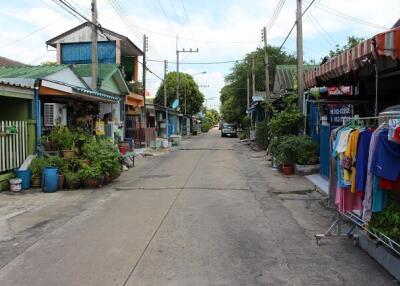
[(286, 77), (105, 70), (33, 72)]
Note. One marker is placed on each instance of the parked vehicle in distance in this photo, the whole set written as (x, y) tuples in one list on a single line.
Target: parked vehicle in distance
[(228, 129)]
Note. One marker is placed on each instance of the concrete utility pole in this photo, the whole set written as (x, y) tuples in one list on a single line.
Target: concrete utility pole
[(145, 48), (266, 63), (300, 81), (177, 63), (165, 97), (253, 74), (95, 67)]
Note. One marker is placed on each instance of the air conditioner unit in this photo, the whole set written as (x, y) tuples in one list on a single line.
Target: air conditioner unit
[(54, 113)]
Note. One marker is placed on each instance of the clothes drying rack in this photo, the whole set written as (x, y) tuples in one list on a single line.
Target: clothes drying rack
[(352, 219)]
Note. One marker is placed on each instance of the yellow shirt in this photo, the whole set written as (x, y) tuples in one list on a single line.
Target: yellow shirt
[(351, 152)]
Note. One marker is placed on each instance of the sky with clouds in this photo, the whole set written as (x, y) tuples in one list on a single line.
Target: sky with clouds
[(222, 30)]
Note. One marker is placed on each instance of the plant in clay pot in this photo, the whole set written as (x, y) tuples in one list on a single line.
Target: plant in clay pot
[(36, 167), (72, 180), (65, 138), (92, 176)]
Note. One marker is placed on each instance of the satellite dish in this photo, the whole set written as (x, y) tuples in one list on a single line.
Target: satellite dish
[(175, 103)]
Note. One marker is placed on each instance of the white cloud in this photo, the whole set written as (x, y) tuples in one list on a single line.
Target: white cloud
[(237, 21)]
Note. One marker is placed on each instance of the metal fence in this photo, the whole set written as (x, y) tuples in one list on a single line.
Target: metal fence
[(13, 144)]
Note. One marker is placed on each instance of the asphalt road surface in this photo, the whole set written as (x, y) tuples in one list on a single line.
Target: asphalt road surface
[(211, 213)]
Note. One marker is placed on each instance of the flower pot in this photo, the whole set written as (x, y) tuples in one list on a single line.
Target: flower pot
[(122, 150), (108, 178), (36, 182), (288, 169), (93, 183), (68, 154), (60, 183), (73, 185)]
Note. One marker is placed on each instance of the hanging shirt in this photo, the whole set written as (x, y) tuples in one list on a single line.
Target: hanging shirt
[(394, 130), (367, 202), (386, 159), (362, 159), (349, 177), (389, 185), (343, 140), (379, 197)]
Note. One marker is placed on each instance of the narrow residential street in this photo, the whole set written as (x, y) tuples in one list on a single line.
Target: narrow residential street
[(210, 213)]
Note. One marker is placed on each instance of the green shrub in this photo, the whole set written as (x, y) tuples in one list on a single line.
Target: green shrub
[(388, 220), (206, 124), (72, 178), (286, 123), (91, 172), (37, 166), (291, 149)]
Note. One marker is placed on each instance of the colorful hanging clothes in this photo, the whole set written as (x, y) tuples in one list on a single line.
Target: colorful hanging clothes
[(389, 185), (347, 201), (362, 159), (394, 130), (386, 160)]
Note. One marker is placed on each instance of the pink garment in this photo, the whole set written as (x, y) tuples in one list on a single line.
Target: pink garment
[(347, 201)]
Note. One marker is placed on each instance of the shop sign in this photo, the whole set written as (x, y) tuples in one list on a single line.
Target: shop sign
[(99, 127), (336, 113), (340, 90)]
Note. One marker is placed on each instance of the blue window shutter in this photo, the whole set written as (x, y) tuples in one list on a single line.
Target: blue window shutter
[(81, 53)]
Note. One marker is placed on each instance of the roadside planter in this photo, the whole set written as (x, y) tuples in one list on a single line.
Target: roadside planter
[(384, 256)]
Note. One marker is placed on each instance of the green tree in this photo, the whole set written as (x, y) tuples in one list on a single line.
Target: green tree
[(352, 41), (213, 115), (194, 98), (234, 94)]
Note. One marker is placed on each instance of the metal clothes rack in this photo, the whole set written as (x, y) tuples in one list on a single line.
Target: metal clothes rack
[(353, 220)]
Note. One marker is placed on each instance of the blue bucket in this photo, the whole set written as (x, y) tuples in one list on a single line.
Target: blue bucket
[(49, 179), (25, 176)]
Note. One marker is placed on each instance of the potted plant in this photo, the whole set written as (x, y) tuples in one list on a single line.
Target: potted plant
[(62, 136), (72, 180), (92, 176), (36, 167), (284, 151)]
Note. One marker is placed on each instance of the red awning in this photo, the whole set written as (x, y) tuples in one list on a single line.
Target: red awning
[(387, 44)]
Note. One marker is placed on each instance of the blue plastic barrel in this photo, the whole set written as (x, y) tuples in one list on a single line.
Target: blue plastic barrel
[(25, 176), (49, 179)]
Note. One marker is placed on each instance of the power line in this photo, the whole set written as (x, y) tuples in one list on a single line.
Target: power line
[(342, 15), (275, 15), (326, 36), (30, 34), (198, 63), (150, 71), (187, 18), (166, 16), (295, 22)]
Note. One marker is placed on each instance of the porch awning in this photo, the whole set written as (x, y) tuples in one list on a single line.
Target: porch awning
[(54, 88), (349, 60), (386, 44)]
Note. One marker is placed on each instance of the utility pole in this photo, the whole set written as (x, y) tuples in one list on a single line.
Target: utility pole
[(95, 67), (300, 81), (253, 74), (266, 63), (177, 63), (165, 97), (145, 48)]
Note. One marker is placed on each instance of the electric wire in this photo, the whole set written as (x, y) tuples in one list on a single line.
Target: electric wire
[(275, 15), (295, 22), (342, 15), (166, 16), (187, 18), (197, 63), (325, 35)]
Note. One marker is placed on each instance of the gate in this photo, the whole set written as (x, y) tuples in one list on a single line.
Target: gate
[(13, 144)]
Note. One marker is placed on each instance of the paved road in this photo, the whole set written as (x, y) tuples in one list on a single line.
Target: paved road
[(211, 213)]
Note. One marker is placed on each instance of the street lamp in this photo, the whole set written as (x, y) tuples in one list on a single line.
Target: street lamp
[(204, 72)]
